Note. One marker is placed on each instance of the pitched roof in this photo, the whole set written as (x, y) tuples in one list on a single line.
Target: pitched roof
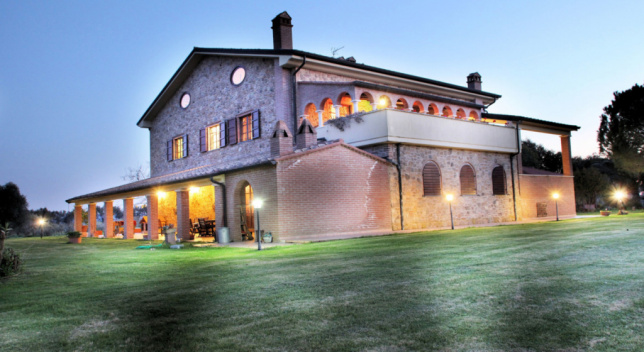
[(530, 120), (198, 54)]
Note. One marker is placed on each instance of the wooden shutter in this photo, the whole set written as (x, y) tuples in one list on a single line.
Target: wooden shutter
[(169, 150), (231, 126), (255, 124), (185, 145), (498, 181), (222, 134), (468, 180), (203, 142), (431, 180)]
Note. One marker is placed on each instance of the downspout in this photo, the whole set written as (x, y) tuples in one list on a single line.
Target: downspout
[(294, 84), (223, 192), (514, 195), (400, 192)]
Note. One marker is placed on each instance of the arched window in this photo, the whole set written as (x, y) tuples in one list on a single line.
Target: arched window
[(432, 109), (312, 114), (498, 181), (247, 211), (447, 112), (401, 104), (365, 102), (473, 116), (384, 102), (431, 179), (460, 114), (346, 105), (468, 181), (417, 106), (329, 111)]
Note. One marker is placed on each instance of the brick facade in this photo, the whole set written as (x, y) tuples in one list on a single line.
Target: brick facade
[(536, 189)]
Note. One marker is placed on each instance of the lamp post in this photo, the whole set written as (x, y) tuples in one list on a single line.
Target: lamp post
[(619, 196), (449, 199), (556, 197), (257, 204), (41, 223)]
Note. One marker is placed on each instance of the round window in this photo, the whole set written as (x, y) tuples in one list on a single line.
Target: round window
[(239, 73), (185, 100)]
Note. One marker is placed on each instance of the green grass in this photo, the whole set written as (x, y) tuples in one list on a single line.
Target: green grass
[(569, 285)]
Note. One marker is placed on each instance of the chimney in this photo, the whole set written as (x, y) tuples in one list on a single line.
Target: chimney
[(306, 135), (282, 32), (474, 81), (282, 140)]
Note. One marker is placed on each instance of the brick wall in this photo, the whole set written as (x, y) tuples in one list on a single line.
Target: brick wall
[(168, 208), (202, 203), (539, 189), (433, 211), (332, 190)]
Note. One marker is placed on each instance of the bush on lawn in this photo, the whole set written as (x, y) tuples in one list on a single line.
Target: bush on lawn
[(10, 264)]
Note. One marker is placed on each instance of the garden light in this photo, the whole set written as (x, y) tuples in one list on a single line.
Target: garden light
[(41, 223), (257, 204), (556, 197), (450, 198)]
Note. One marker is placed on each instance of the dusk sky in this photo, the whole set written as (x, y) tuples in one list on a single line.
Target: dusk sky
[(75, 76)]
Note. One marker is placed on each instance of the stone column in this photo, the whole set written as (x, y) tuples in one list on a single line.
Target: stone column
[(109, 219), (566, 158), (320, 118), (78, 217), (183, 214), (91, 220), (153, 216), (128, 217), (337, 110), (355, 105)]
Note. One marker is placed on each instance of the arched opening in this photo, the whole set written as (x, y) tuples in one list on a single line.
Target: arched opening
[(468, 180), (311, 113), (384, 102), (431, 179), (460, 114), (473, 116), (498, 181), (329, 112), (246, 210), (365, 102), (417, 107), (401, 104), (432, 109), (447, 112), (346, 105)]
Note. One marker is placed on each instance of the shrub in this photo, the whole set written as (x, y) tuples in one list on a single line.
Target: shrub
[(73, 234), (10, 264)]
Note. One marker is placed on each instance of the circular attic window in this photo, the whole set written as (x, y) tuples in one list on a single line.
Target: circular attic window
[(239, 73), (185, 100)]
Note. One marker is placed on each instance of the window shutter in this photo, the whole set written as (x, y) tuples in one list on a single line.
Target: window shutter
[(185, 145), (498, 181), (169, 150), (256, 128), (232, 131), (222, 134), (203, 143), (431, 180), (468, 180)]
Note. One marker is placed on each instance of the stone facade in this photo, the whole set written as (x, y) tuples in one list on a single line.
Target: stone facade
[(213, 100), (423, 212)]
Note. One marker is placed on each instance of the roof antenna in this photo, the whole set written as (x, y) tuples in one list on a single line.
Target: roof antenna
[(335, 50)]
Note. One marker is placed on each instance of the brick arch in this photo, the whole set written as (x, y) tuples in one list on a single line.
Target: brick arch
[(346, 104), (366, 99), (401, 104), (384, 102), (447, 111), (432, 109), (467, 178), (460, 114), (327, 106), (311, 112), (417, 106), (432, 180), (474, 116)]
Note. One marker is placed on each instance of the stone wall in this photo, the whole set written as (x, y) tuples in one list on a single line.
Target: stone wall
[(202, 203), (333, 190), (214, 99), (168, 208), (421, 212), (537, 189)]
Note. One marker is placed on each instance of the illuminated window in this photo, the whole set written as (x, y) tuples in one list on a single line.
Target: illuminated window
[(177, 148), (245, 128), (185, 100), (212, 137)]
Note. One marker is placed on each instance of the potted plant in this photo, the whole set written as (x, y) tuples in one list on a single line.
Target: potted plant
[(267, 237), (74, 237), (604, 212)]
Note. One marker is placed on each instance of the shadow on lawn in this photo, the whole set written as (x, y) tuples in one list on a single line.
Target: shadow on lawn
[(539, 314)]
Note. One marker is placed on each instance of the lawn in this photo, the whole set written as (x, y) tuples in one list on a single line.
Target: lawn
[(569, 285)]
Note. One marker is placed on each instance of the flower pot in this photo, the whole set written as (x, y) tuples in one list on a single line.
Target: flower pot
[(75, 240), (268, 238), (604, 213)]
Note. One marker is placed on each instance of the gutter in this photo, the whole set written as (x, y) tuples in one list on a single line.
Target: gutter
[(514, 195), (223, 192), (400, 191), (294, 85)]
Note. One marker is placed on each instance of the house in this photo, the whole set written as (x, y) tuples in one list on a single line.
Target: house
[(333, 147)]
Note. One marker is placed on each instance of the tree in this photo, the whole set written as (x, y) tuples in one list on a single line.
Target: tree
[(13, 205), (537, 156), (590, 184), (4, 232), (621, 131)]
